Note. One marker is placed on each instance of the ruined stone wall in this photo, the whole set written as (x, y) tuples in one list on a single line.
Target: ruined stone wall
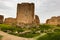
[(1, 19), (58, 19), (47, 21), (53, 21), (10, 21), (25, 13), (36, 20)]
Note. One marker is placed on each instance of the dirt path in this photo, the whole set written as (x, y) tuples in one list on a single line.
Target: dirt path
[(12, 37)]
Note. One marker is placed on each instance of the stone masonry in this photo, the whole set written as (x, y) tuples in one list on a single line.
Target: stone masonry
[(53, 21), (1, 19), (10, 21), (36, 20), (25, 13)]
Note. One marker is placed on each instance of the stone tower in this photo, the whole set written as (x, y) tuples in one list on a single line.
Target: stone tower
[(1, 19), (25, 13)]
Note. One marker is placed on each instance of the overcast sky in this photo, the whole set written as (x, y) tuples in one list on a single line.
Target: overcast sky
[(43, 8)]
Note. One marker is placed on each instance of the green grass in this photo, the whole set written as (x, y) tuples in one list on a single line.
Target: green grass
[(50, 36), (29, 35), (13, 29), (57, 30), (32, 33), (1, 37), (45, 27), (5, 28)]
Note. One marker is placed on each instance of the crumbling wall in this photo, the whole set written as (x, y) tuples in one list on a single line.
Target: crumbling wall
[(10, 21), (1, 19), (53, 21), (36, 20)]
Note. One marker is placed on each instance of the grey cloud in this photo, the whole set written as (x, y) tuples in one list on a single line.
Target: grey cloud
[(47, 9), (9, 0), (6, 10), (2, 6), (51, 5)]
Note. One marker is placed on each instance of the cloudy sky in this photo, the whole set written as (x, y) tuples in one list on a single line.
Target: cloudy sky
[(43, 8)]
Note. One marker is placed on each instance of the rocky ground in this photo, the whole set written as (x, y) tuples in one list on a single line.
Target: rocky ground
[(12, 37)]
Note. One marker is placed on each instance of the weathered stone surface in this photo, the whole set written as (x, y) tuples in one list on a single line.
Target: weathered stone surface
[(53, 21), (1, 19), (36, 20), (25, 13), (58, 19), (10, 21), (47, 21)]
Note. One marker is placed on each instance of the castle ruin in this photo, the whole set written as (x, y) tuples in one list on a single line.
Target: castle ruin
[(53, 21), (1, 19), (25, 14), (10, 21), (36, 20)]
